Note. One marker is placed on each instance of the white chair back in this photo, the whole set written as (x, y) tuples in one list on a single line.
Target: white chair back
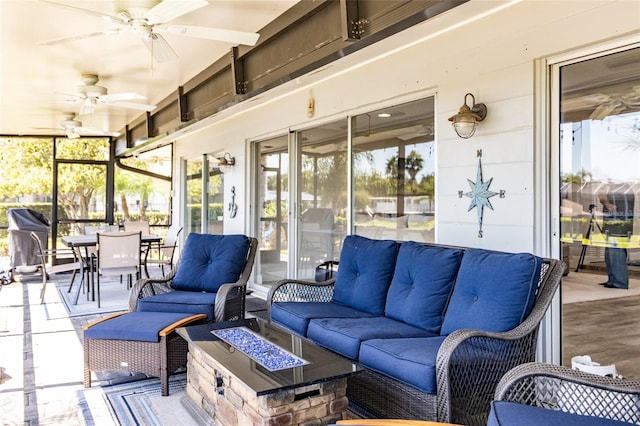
[(118, 250), (142, 226)]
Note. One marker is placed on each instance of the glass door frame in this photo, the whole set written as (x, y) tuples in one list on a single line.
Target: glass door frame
[(548, 153)]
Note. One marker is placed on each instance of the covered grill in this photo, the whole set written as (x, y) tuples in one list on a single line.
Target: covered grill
[(22, 249)]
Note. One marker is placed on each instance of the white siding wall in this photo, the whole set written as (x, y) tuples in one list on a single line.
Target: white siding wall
[(491, 55)]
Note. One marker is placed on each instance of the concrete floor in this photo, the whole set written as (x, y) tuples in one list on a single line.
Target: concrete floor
[(41, 355)]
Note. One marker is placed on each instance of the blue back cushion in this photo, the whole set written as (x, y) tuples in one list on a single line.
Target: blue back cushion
[(365, 272), (422, 284), (494, 291), (208, 261)]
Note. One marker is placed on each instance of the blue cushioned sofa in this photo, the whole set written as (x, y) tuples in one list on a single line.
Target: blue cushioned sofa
[(434, 326), (210, 279)]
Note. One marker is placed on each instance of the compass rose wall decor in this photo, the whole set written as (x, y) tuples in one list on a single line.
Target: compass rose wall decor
[(480, 193)]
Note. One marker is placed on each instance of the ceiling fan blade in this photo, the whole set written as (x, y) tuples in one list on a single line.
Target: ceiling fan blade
[(77, 37), (159, 48), (117, 97), (106, 16), (605, 110), (133, 105), (168, 10), (218, 34)]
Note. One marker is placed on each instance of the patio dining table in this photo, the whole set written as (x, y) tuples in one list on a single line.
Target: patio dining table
[(78, 242)]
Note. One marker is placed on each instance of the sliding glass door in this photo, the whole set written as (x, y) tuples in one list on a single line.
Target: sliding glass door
[(370, 174), (322, 195), (272, 196)]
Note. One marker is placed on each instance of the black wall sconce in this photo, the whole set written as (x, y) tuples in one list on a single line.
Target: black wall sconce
[(466, 120)]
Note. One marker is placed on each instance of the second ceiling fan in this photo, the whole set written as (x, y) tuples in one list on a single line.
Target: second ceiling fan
[(149, 18), (90, 94)]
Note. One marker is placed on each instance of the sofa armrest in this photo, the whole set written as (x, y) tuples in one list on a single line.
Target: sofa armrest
[(561, 388), (470, 363), (149, 286), (300, 291)]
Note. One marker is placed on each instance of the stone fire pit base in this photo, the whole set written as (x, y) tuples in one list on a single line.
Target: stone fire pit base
[(229, 402)]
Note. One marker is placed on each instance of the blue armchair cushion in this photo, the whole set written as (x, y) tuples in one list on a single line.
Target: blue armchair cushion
[(511, 413), (208, 261), (422, 284), (365, 272), (344, 335), (296, 315), (191, 302), (136, 326), (494, 291), (411, 361)]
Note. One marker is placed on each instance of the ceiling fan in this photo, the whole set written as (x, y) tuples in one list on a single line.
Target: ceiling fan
[(73, 128), (601, 105), (148, 19), (90, 94)]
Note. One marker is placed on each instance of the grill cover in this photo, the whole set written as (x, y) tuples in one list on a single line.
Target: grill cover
[(22, 249)]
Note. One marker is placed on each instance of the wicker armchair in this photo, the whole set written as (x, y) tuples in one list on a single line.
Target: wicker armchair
[(229, 297), (469, 365), (571, 391)]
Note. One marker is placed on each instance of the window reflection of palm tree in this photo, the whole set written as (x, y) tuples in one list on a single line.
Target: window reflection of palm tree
[(412, 165)]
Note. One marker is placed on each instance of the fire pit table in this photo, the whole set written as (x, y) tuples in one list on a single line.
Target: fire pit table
[(254, 372)]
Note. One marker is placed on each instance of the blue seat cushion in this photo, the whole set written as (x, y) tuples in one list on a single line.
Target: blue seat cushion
[(190, 302), (136, 326), (296, 315), (411, 361), (208, 261), (494, 291), (365, 272), (344, 335), (421, 285), (510, 413)]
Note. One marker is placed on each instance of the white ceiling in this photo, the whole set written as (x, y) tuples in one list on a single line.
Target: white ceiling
[(36, 79)]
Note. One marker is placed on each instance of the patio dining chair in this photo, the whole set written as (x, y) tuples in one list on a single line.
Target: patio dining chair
[(118, 254), (144, 227), (210, 278), (88, 253), (47, 267), (164, 254)]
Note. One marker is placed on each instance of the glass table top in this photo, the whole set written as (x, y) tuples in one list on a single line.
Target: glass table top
[(321, 364)]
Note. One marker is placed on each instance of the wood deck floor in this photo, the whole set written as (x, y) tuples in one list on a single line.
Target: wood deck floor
[(603, 323)]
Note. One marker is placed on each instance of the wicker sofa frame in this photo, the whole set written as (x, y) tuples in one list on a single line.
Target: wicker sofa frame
[(230, 297), (155, 359), (466, 380), (560, 388)]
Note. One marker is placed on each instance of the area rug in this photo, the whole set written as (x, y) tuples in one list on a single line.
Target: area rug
[(138, 403), (114, 297)]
